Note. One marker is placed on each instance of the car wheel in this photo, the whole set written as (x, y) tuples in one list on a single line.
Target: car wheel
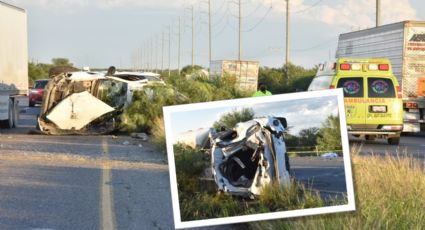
[(394, 140)]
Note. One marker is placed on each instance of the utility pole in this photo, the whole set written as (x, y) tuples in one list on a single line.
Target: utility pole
[(193, 37), (178, 51), (169, 51), (151, 54), (209, 31), (378, 13), (287, 39), (156, 54), (240, 31), (162, 52)]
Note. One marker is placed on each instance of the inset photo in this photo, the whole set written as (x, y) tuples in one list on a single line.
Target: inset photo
[(259, 158)]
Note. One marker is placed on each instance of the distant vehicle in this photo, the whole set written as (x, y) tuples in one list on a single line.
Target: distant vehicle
[(373, 100), (89, 102), (13, 62), (245, 72), (37, 91), (404, 44)]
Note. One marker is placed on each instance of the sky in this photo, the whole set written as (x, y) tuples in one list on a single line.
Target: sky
[(300, 114), (100, 33)]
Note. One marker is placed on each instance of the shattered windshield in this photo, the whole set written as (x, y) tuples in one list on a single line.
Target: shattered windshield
[(113, 93)]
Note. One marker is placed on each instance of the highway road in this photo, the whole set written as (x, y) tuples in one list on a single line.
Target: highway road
[(116, 182), (82, 182), (412, 145)]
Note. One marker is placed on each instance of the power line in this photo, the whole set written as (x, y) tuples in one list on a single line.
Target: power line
[(308, 8), (260, 21), (316, 46)]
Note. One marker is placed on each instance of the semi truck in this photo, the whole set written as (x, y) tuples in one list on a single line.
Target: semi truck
[(404, 44), (244, 72), (13, 62)]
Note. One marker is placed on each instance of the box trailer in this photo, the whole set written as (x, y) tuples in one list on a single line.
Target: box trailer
[(245, 72), (13, 62), (404, 44)]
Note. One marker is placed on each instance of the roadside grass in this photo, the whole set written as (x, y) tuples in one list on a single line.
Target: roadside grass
[(390, 194), (144, 114), (198, 202)]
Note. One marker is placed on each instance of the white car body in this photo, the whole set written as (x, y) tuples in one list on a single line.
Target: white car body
[(250, 156)]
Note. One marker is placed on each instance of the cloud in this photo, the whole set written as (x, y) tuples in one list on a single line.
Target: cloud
[(351, 13)]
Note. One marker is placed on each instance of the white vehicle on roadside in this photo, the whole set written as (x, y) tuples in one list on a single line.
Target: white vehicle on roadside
[(89, 102)]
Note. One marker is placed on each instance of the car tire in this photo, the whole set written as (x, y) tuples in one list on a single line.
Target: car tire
[(394, 140), (32, 104)]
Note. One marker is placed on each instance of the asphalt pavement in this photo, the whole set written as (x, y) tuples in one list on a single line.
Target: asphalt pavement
[(82, 182), (412, 145), (118, 182)]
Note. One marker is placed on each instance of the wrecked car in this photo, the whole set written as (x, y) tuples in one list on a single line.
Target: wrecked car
[(250, 156), (245, 158), (89, 102)]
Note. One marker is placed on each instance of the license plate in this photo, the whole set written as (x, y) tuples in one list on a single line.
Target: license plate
[(378, 109)]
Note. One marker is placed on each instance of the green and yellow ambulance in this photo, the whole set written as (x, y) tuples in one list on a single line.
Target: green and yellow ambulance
[(372, 96)]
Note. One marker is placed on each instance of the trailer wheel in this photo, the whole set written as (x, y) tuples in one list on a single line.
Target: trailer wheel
[(394, 140)]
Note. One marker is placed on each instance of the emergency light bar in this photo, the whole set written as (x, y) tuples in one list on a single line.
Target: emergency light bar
[(358, 66)]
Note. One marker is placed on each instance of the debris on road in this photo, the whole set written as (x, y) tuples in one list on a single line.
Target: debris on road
[(329, 155), (142, 136), (126, 143)]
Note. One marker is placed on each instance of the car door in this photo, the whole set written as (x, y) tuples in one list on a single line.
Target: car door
[(383, 107), (355, 109)]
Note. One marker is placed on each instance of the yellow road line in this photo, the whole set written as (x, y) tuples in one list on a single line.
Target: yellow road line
[(106, 199)]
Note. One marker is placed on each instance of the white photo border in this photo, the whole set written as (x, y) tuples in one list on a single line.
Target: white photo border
[(168, 110)]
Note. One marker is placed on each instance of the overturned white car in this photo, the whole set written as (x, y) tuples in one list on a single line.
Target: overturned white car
[(89, 102), (251, 155)]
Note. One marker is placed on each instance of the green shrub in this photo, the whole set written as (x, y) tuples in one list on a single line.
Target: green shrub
[(229, 120), (198, 203)]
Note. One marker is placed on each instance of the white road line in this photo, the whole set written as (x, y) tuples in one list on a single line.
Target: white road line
[(106, 199)]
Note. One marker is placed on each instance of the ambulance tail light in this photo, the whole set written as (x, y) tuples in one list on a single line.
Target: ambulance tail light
[(331, 87), (373, 67), (411, 105), (399, 94), (383, 67), (344, 66)]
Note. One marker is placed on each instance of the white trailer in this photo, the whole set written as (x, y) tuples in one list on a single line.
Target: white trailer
[(245, 72), (404, 44), (13, 62)]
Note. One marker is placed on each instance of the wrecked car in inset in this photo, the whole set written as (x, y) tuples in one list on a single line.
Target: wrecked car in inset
[(89, 102), (248, 157)]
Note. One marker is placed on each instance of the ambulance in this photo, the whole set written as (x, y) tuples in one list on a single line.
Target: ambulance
[(372, 96)]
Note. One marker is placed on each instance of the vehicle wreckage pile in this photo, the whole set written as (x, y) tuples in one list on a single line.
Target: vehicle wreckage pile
[(246, 158), (89, 102)]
